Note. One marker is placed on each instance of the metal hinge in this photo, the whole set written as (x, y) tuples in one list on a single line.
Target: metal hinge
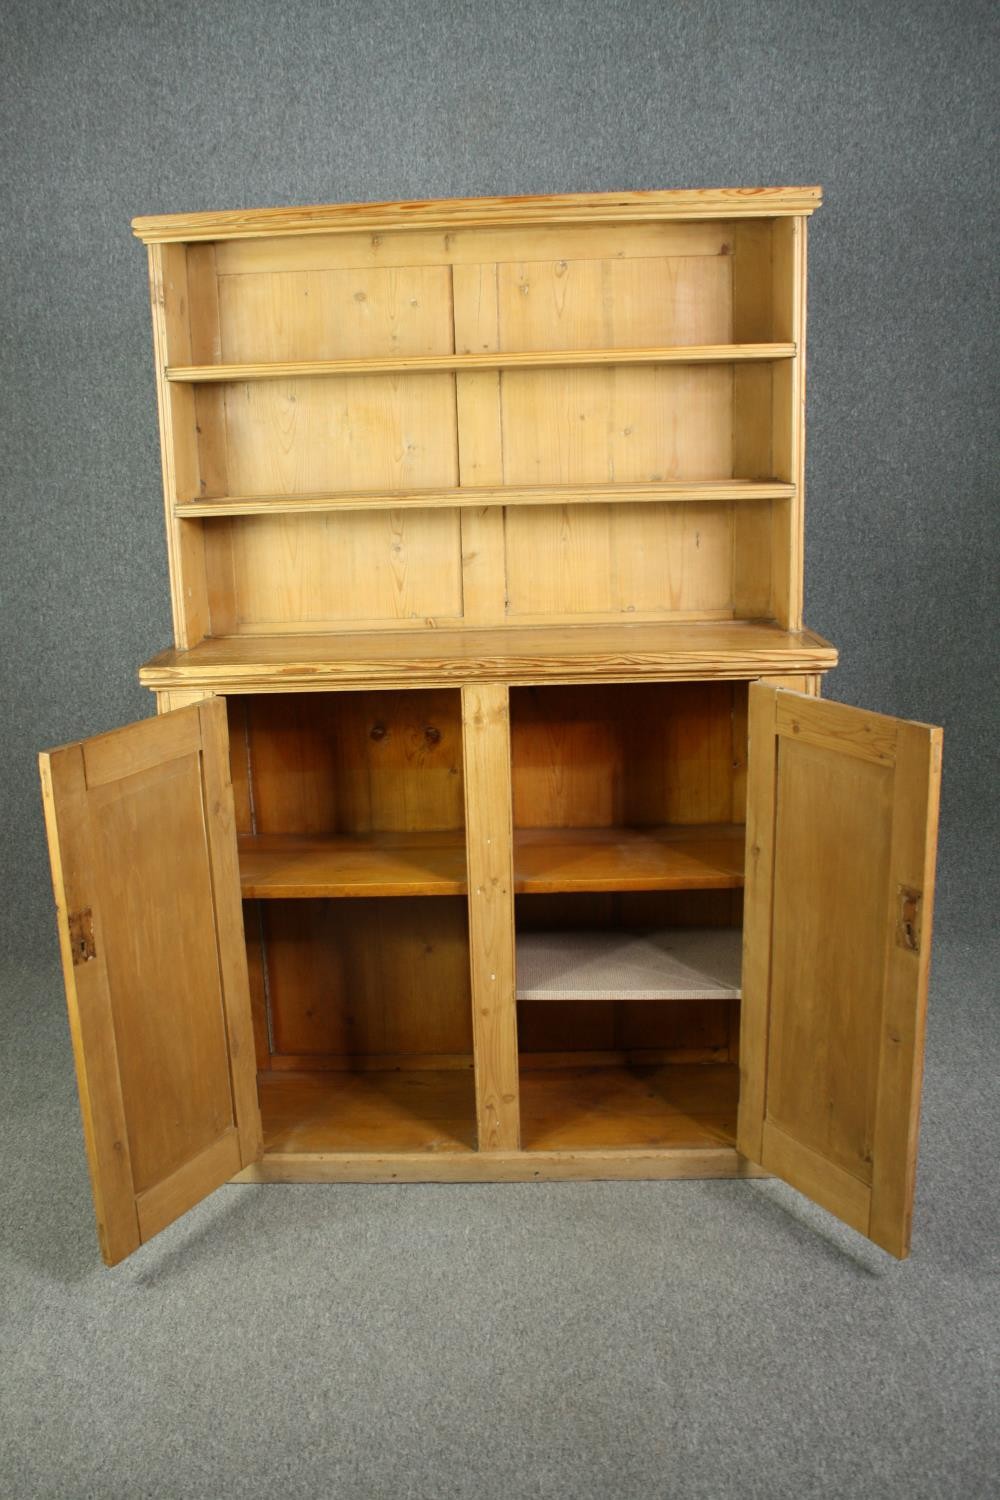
[(81, 936), (908, 918)]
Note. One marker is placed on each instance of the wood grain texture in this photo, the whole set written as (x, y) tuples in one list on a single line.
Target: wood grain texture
[(220, 823), (165, 1201), (480, 444), (830, 879), (837, 727), (257, 976), (486, 727), (761, 797), (632, 755), (365, 979), (566, 1109), (622, 239), (371, 569), (572, 1109), (666, 651), (357, 313), (642, 562), (159, 1003), (291, 436), (390, 864), (631, 1165), (627, 424), (412, 364), (841, 840), (629, 859), (179, 448), (409, 1110), (686, 1047), (369, 1062), (916, 798), (180, 698), (554, 208), (615, 302), (478, 495), (355, 763), (88, 1001), (788, 418), (835, 1189)]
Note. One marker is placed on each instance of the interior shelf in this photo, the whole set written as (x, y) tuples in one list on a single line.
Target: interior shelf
[(590, 1109), (289, 866), (283, 866), (700, 491), (675, 651), (426, 1110), (700, 963), (417, 1109), (544, 359), (701, 857)]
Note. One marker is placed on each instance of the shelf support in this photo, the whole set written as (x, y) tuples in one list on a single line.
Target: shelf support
[(489, 842)]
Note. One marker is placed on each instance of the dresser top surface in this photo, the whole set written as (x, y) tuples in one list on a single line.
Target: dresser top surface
[(664, 651)]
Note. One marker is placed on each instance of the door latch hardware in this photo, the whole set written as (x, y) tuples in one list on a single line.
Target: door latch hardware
[(81, 936), (908, 919)]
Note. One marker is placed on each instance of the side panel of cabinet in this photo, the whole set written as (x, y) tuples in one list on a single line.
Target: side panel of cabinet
[(841, 837), (143, 848)]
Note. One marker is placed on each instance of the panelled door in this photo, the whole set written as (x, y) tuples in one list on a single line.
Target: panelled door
[(143, 847), (841, 838)]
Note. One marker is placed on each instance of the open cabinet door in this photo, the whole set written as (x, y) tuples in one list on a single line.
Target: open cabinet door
[(841, 835), (143, 847)]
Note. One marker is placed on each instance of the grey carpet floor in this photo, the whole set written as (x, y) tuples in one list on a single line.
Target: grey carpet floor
[(559, 1340)]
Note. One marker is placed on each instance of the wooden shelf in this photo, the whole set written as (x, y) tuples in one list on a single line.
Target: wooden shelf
[(693, 963), (581, 1109), (544, 359), (419, 1110), (677, 491), (516, 654), (293, 866), (696, 857), (423, 1110)]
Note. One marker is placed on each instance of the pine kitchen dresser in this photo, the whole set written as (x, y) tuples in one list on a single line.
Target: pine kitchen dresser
[(491, 826)]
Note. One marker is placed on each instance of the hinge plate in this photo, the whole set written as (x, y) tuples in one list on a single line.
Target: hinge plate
[(81, 936), (908, 914)]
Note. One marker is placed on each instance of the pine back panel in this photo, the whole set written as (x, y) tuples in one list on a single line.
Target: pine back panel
[(414, 428)]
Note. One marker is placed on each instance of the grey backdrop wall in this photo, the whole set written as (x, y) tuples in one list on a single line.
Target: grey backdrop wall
[(110, 110)]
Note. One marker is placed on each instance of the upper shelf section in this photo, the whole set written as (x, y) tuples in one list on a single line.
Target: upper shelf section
[(552, 208), (502, 413), (558, 653), (532, 359)]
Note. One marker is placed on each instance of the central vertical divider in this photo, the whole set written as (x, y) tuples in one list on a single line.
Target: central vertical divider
[(489, 852), (476, 317)]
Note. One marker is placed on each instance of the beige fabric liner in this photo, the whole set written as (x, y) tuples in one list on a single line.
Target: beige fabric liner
[(701, 963)]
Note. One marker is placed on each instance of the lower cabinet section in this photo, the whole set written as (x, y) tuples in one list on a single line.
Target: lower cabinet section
[(622, 813), (627, 1040), (621, 809), (587, 1107), (480, 933)]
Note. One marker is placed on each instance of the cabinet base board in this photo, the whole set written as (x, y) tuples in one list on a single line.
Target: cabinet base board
[(501, 1166)]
